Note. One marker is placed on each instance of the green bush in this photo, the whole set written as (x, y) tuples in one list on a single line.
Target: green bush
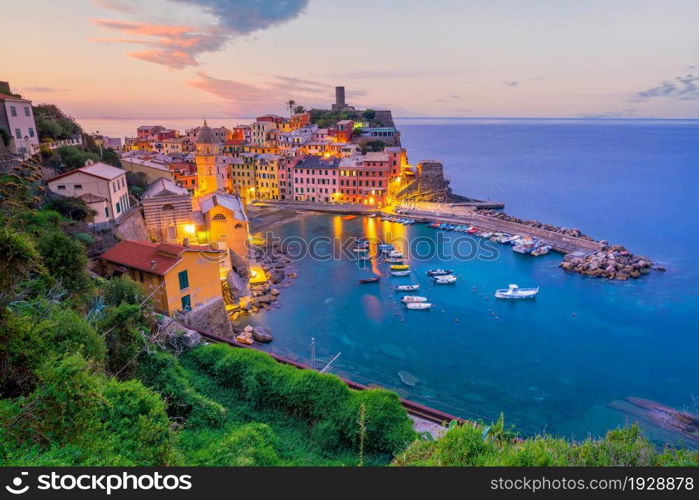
[(65, 260), (162, 372), (123, 290), (322, 400)]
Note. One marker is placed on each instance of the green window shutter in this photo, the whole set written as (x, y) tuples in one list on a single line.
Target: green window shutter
[(186, 303), (184, 279)]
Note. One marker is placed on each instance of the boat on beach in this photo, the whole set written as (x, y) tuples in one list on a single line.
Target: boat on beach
[(400, 273), (413, 298), (406, 288), (439, 272), (374, 279), (515, 292), (418, 305)]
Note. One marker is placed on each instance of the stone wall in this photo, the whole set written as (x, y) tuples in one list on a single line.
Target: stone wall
[(131, 226)]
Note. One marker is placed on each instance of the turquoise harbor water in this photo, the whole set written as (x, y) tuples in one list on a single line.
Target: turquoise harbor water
[(552, 364)]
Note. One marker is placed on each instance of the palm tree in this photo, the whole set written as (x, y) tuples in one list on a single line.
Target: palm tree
[(290, 104)]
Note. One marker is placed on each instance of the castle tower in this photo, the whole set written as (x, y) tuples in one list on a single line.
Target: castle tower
[(339, 99), (205, 157)]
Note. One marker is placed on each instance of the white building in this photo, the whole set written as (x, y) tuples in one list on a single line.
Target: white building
[(106, 185), (17, 118)]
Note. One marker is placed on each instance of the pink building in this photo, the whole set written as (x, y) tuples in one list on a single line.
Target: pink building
[(365, 179), (316, 179)]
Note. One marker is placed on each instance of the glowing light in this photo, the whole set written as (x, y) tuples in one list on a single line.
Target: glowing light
[(188, 228)]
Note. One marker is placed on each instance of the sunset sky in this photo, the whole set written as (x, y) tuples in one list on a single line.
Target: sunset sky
[(474, 58)]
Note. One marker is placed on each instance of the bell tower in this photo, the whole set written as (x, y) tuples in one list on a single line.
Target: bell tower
[(207, 148)]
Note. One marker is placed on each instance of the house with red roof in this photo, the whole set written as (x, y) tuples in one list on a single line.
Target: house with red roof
[(178, 277)]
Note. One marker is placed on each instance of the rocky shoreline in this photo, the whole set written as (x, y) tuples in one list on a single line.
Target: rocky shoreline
[(575, 233)]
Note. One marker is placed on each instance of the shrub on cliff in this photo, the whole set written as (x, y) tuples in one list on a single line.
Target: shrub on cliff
[(320, 399)]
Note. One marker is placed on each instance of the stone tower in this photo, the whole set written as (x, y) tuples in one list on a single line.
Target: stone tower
[(205, 157), (339, 99)]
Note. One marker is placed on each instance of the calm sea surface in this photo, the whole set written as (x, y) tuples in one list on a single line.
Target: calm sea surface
[(552, 364)]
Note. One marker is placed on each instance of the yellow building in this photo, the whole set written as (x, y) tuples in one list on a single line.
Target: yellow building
[(223, 220), (267, 177), (179, 277), (207, 148)]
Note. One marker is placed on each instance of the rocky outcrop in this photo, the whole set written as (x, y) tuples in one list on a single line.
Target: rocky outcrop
[(210, 317), (612, 263), (262, 334), (174, 335)]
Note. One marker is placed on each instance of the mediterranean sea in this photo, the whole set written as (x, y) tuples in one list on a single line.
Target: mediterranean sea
[(550, 365)]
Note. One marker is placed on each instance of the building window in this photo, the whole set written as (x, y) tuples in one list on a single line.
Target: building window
[(26, 111), (31, 132), (106, 211), (13, 111), (18, 133), (186, 303), (184, 279), (118, 207), (77, 186), (61, 186)]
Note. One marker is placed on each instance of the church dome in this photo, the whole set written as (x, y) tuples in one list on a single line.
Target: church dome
[(206, 135)]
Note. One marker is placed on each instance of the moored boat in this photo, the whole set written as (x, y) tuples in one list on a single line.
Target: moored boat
[(406, 288), (395, 254), (413, 298), (418, 305), (444, 280), (394, 260), (439, 272), (515, 292), (400, 273), (400, 267), (374, 279), (541, 250)]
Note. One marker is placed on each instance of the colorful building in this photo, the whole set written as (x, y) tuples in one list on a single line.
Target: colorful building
[(179, 277), (17, 118), (316, 179)]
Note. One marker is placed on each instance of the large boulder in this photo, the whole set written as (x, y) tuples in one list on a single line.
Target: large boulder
[(210, 317), (262, 334), (176, 336)]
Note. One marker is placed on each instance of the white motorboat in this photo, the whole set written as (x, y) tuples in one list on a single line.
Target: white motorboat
[(515, 292), (395, 254), (444, 280), (394, 260), (406, 288), (418, 305), (541, 250), (439, 272), (413, 298), (400, 273)]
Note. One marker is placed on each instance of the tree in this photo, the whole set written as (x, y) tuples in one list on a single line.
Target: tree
[(52, 123), (18, 258), (299, 109), (369, 114), (73, 157), (72, 207), (65, 260)]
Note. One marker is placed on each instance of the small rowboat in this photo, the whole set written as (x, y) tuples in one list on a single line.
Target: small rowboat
[(444, 280), (542, 250), (364, 281), (413, 298), (418, 305), (400, 267), (400, 273), (515, 292), (349, 217), (439, 272), (406, 288)]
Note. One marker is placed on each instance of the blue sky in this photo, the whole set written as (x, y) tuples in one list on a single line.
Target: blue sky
[(526, 58)]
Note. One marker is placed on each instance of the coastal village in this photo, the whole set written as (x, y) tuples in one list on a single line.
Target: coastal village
[(189, 235)]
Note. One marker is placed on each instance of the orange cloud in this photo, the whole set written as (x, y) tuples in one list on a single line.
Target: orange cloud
[(173, 46)]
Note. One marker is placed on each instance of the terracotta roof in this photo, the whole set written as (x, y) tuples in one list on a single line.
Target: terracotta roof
[(13, 98), (141, 254), (92, 198)]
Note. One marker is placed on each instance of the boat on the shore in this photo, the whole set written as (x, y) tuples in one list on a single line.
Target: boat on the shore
[(400, 267), (406, 288), (413, 298), (400, 273), (419, 306), (374, 279), (515, 292), (439, 272), (447, 279)]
